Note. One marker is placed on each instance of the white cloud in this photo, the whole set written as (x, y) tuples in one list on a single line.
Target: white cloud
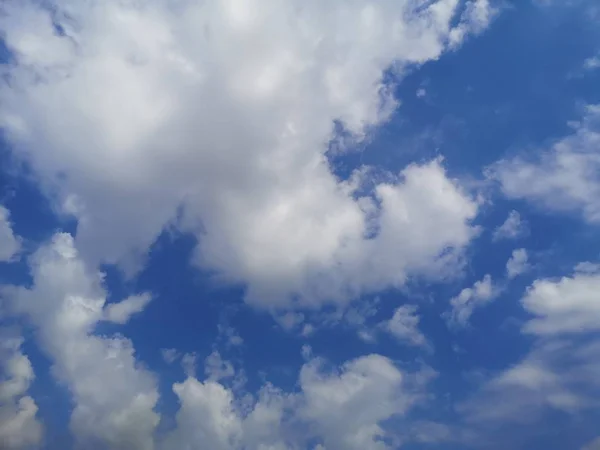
[(592, 63), (19, 427), (476, 18), (121, 312), (227, 109), (113, 397), (556, 375), (567, 305), (564, 178), (560, 372), (345, 409), (517, 264), (169, 355), (9, 243), (230, 335), (512, 228), (216, 368), (404, 325), (468, 300)]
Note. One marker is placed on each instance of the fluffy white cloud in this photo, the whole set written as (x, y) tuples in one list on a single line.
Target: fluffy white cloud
[(517, 264), (344, 410), (113, 398), (19, 427), (9, 243), (561, 370), (468, 300), (564, 178), (568, 305), (347, 408), (122, 311), (404, 325), (556, 375), (211, 416), (512, 228), (133, 110)]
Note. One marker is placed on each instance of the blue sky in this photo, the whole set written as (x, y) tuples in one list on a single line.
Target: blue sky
[(281, 225)]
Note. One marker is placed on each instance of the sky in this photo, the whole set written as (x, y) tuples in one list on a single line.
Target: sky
[(299, 225)]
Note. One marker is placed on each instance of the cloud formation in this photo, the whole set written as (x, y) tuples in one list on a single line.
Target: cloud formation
[(512, 228), (129, 112), (404, 325), (517, 264), (19, 426), (564, 178), (114, 399), (468, 300)]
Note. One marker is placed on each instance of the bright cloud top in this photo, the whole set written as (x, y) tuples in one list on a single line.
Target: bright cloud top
[(227, 111)]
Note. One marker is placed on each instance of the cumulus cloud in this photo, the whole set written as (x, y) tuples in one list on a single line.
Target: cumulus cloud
[(9, 243), (512, 228), (556, 374), (567, 305), (517, 264), (468, 300), (343, 409), (128, 112), (563, 178), (560, 372), (113, 398), (19, 426), (404, 326)]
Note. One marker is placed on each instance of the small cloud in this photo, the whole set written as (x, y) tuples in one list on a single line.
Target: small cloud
[(188, 362), (216, 368), (230, 335), (512, 228), (468, 300), (121, 312), (421, 92), (307, 330), (518, 263), (404, 326), (592, 63), (290, 320), (169, 355), (366, 336)]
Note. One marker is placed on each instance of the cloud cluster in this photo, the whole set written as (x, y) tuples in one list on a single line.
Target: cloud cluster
[(567, 305), (114, 399), (564, 178), (19, 427), (131, 112), (560, 372), (345, 409)]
